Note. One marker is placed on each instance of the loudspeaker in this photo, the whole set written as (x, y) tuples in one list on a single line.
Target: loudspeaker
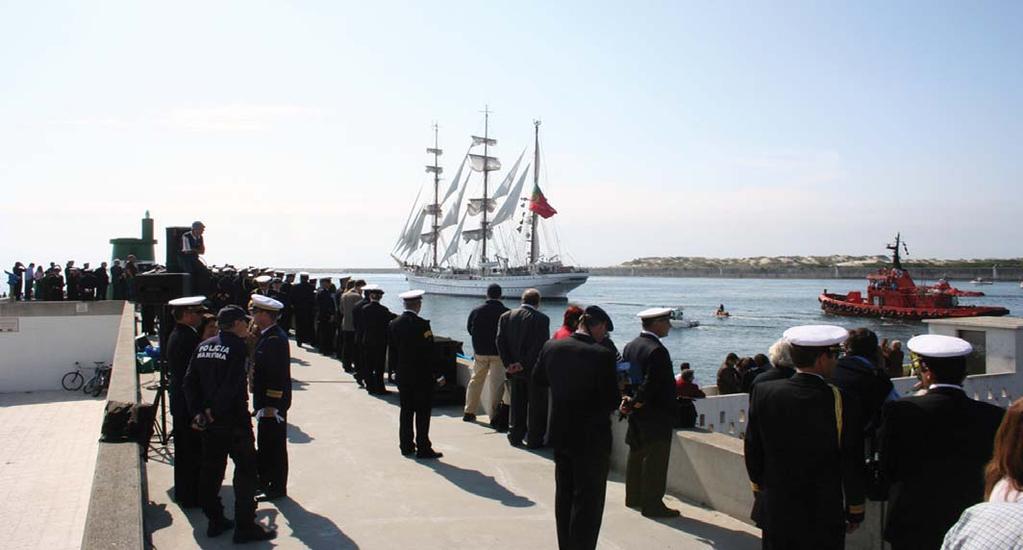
[(159, 288), (173, 245)]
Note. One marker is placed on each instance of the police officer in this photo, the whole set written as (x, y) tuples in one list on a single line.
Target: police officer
[(303, 299), (218, 400), (271, 395), (376, 319), (934, 447), (326, 313), (652, 412), (804, 449), (181, 345), (581, 375), (410, 345)]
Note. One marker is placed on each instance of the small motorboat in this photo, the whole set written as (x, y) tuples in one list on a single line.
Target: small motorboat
[(981, 281), (678, 319)]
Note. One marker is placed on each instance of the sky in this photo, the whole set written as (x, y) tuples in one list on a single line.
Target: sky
[(296, 130)]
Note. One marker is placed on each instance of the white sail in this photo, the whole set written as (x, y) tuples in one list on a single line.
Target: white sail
[(508, 208), (475, 206), (404, 230), (411, 242), (453, 245), (427, 238), (476, 140), (478, 161), (454, 183), (476, 234), (452, 216), (505, 186)]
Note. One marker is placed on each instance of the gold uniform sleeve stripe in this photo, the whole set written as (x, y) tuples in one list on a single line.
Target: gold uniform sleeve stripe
[(274, 394)]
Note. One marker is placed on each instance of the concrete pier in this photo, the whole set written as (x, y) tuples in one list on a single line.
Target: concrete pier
[(350, 487)]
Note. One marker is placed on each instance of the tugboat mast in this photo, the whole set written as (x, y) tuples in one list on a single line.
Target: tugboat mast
[(534, 239), (896, 261)]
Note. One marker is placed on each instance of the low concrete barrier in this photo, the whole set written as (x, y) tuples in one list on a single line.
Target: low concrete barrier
[(114, 520)]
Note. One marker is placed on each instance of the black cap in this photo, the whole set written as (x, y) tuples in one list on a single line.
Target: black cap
[(230, 314), (598, 314)]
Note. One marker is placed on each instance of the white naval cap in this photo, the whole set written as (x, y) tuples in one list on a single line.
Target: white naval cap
[(265, 302), (815, 336), (187, 301), (409, 295), (372, 288), (654, 313), (303, 273), (263, 279), (936, 345)]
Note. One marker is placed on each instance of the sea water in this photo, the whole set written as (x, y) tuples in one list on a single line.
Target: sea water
[(761, 309)]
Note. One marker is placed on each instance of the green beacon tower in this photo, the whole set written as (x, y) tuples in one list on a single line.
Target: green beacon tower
[(143, 248)]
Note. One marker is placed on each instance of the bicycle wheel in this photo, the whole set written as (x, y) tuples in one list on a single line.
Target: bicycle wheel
[(72, 381), (99, 386), (91, 385)]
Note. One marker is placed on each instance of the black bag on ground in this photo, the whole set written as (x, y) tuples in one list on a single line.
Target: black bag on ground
[(116, 417), (686, 413), (142, 424)]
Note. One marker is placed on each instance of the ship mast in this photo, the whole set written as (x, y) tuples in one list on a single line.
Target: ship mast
[(534, 238), (486, 171), (896, 261), (436, 169)]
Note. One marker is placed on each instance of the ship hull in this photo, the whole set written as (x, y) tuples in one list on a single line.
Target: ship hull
[(552, 286), (836, 304)]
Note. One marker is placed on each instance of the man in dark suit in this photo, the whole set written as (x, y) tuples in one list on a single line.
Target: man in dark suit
[(521, 334), (187, 442), (303, 299), (357, 355), (410, 348), (326, 315), (652, 411), (271, 396), (376, 319), (934, 447), (583, 383), (804, 450), (860, 376)]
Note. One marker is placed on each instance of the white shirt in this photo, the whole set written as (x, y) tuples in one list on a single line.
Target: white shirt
[(651, 334), (1004, 492), (953, 386), (530, 307), (811, 374)]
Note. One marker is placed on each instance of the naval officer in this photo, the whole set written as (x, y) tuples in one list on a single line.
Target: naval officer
[(376, 319), (652, 412), (181, 344), (218, 400), (804, 449), (580, 373), (303, 299), (271, 395), (410, 348), (934, 446)]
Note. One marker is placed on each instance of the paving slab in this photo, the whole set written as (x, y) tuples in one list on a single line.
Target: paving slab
[(350, 487), (48, 444)]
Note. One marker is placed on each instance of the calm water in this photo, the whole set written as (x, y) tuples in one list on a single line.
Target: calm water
[(761, 310)]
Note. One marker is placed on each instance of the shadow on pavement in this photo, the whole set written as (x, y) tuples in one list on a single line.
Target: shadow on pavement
[(475, 482), (713, 535), (297, 436), (313, 530)]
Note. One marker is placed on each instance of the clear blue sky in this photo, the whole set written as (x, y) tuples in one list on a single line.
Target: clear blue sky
[(296, 130)]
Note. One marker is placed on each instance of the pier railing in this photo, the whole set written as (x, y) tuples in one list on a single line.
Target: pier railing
[(727, 414)]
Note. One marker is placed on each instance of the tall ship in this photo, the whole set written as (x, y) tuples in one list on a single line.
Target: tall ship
[(477, 233), (892, 293)]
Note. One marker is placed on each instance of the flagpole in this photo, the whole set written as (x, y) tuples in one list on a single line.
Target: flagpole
[(534, 242)]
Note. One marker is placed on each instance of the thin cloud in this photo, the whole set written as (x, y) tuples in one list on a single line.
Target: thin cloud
[(237, 117)]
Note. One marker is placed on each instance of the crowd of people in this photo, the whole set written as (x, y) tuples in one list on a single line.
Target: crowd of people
[(54, 283)]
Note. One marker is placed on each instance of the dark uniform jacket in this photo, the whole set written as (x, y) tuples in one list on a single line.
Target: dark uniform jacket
[(357, 317), (216, 380), (656, 392), (804, 451), (774, 373), (482, 326), (303, 298), (271, 370), (584, 391), (376, 319), (180, 347), (933, 451), (324, 305), (860, 379), (521, 334), (410, 350)]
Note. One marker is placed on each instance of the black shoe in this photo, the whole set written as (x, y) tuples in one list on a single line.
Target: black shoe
[(534, 446), (429, 454), (662, 512), (517, 443), (253, 533), (468, 417), (217, 527), (408, 452), (633, 505)]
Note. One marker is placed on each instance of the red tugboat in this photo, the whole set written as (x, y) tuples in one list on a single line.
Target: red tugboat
[(892, 293)]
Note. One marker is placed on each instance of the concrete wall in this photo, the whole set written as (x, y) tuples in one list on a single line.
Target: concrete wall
[(50, 337)]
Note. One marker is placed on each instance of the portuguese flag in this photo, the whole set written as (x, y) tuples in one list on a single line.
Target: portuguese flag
[(538, 203)]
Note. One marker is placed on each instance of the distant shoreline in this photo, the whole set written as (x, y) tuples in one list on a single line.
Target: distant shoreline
[(1010, 274)]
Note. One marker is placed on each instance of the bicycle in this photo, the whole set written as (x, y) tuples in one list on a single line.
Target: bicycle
[(73, 380), (99, 381)]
